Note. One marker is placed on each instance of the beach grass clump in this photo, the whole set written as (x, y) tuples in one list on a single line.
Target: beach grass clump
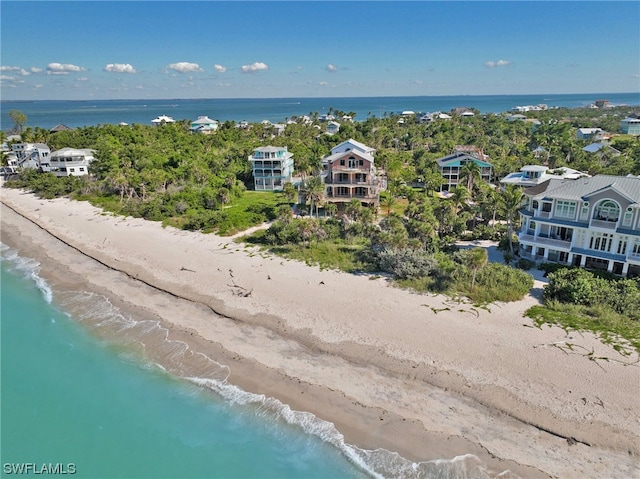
[(483, 283), (580, 300), (622, 332), (494, 282), (329, 255)]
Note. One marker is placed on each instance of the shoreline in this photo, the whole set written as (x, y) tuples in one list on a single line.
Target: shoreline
[(429, 386)]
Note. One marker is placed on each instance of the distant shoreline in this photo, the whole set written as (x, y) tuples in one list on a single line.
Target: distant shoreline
[(83, 113), (595, 94)]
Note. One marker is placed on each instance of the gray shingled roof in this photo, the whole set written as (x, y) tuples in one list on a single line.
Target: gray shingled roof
[(582, 188)]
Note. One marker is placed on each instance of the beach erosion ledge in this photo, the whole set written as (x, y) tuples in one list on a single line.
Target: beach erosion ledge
[(376, 361)]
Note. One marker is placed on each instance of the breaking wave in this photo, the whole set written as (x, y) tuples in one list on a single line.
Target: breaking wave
[(148, 342)]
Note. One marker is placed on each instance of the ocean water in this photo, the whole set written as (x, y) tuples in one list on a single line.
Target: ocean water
[(74, 399), (81, 396), (47, 114)]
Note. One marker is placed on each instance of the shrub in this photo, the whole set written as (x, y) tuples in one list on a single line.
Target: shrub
[(406, 263), (525, 264)]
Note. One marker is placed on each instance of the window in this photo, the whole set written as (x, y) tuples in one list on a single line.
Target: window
[(607, 211), (622, 246), (628, 216), (584, 212), (636, 248), (565, 209), (601, 241)]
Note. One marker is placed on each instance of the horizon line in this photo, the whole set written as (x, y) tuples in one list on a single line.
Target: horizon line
[(321, 97)]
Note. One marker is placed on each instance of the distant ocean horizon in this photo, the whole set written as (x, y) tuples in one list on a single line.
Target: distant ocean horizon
[(78, 113)]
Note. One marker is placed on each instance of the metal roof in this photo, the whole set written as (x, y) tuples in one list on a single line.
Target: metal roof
[(583, 188)]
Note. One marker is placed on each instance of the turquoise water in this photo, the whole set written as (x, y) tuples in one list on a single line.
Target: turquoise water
[(73, 399)]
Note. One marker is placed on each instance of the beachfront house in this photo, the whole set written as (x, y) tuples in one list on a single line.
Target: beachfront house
[(531, 175), (588, 222), (349, 172), (71, 161), (272, 167), (30, 155), (204, 125), (452, 167)]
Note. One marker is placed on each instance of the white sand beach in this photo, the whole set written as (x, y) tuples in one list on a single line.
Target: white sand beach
[(421, 375)]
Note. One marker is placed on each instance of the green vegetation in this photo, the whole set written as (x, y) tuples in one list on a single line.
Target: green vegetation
[(204, 183), (577, 299)]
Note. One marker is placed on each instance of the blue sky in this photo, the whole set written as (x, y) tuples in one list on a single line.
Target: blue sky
[(215, 49)]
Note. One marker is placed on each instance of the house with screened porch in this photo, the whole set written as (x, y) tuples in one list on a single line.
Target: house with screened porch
[(591, 222)]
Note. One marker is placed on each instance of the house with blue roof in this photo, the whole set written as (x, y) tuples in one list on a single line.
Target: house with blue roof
[(590, 222)]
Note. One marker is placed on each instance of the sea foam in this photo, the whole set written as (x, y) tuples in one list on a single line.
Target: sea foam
[(147, 343)]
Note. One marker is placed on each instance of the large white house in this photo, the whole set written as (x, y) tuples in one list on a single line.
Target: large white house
[(71, 161), (272, 167), (588, 222), (162, 120), (30, 155)]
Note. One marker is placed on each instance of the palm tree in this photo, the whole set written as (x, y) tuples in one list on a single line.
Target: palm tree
[(472, 172), (313, 190), (459, 198), (510, 201), (331, 209), (477, 258), (388, 201)]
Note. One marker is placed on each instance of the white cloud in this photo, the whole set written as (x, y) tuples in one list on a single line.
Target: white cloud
[(219, 68), (331, 68), (11, 78), (119, 68), (499, 63), (184, 67), (323, 83), (16, 70), (35, 70), (63, 69), (254, 67)]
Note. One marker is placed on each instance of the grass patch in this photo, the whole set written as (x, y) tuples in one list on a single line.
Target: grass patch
[(327, 255), (612, 328)]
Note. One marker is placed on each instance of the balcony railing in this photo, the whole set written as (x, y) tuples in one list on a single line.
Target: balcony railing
[(609, 225), (545, 241)]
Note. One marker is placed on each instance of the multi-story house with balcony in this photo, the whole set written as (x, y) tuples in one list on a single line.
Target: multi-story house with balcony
[(588, 222), (452, 166), (349, 172), (31, 155), (272, 167), (71, 161)]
